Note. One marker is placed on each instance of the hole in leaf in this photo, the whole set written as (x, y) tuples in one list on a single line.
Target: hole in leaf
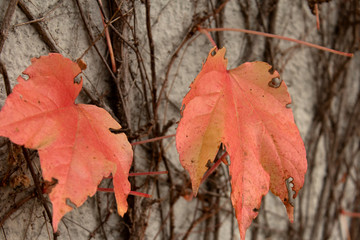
[(275, 82), (291, 192), (288, 105), (221, 150), (228, 159), (213, 52), (70, 203), (77, 79), (24, 76)]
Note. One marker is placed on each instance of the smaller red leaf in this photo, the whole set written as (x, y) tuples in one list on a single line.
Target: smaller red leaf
[(75, 145)]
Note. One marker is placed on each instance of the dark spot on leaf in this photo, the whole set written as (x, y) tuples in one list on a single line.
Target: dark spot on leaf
[(250, 89), (255, 210), (288, 105), (285, 199), (263, 96), (117, 131), (25, 100), (39, 102)]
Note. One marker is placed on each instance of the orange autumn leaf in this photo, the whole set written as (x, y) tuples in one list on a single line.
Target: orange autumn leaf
[(74, 142), (245, 109)]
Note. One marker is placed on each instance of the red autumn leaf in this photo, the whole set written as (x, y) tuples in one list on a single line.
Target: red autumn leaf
[(74, 142), (246, 110)]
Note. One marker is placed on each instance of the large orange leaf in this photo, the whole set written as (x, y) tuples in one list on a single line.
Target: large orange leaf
[(245, 109), (74, 142)]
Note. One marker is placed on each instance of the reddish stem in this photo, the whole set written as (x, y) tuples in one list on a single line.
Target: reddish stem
[(280, 37), (212, 169), (105, 189), (204, 31), (140, 194), (108, 40), (317, 16), (147, 173), (152, 140), (134, 193), (141, 174), (350, 214)]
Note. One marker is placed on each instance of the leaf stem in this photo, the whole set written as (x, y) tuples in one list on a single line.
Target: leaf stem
[(147, 173), (350, 214), (280, 37), (108, 40), (140, 194), (141, 174), (207, 34), (317, 16), (152, 140), (212, 169), (130, 193)]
